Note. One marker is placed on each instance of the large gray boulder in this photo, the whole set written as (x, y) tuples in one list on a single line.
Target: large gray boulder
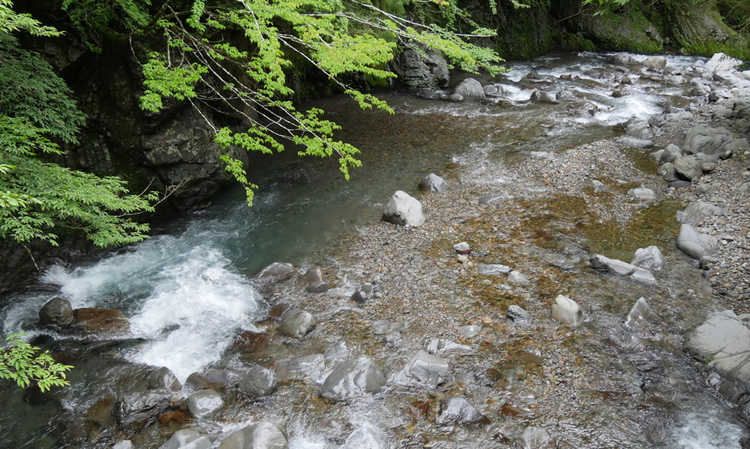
[(470, 88), (141, 407), (403, 209), (421, 70), (696, 244), (697, 211), (205, 403), (261, 435), (297, 323), (623, 269), (707, 140), (353, 379), (187, 439), (687, 167), (721, 62), (423, 370), (57, 311), (567, 311), (432, 183), (258, 382), (723, 343), (655, 63)]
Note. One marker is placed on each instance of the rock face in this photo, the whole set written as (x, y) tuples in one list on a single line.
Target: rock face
[(695, 244), (403, 209), (567, 311), (723, 342), (261, 435), (205, 403), (418, 71), (424, 370), (353, 379)]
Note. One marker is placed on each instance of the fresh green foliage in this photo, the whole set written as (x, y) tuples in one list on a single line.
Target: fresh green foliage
[(236, 57), (38, 197), (23, 364), (10, 21)]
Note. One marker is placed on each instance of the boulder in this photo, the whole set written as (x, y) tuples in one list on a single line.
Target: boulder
[(655, 63), (639, 129), (543, 97), (213, 379), (470, 88), (403, 209), (622, 268), (258, 382), (276, 272), (707, 140), (494, 90), (205, 403), (567, 311), (723, 343), (315, 281), (102, 322), (696, 244), (687, 167), (457, 410), (417, 69), (424, 370), (721, 62), (518, 315), (353, 379), (649, 258), (261, 435), (671, 153), (640, 312), (136, 408), (187, 439), (432, 183), (296, 323), (698, 211), (57, 311), (667, 172)]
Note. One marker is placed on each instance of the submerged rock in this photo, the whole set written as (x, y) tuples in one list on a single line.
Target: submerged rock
[(518, 315), (363, 293), (104, 322), (493, 269), (623, 269), (534, 437), (352, 379), (639, 313), (261, 435), (442, 347), (423, 370), (567, 311), (277, 272), (403, 209)]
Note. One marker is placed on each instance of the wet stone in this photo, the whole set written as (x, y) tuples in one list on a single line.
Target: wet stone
[(205, 403), (444, 347), (493, 269), (297, 323), (518, 315), (300, 368), (276, 272), (103, 322), (534, 437), (363, 293), (567, 311), (457, 410), (424, 370), (353, 379), (640, 312), (57, 311), (258, 381), (213, 379), (261, 435)]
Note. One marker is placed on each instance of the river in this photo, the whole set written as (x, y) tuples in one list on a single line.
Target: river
[(189, 292)]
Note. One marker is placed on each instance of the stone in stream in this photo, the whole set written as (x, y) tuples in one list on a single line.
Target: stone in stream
[(124, 444), (640, 312), (261, 435), (696, 244), (363, 293), (300, 368), (649, 258), (567, 311), (469, 331), (258, 382), (443, 347), (205, 403), (57, 311), (423, 370), (543, 97), (403, 209), (433, 183), (137, 408), (518, 278), (470, 88), (622, 268), (633, 142), (353, 379), (493, 269), (655, 62), (457, 410), (722, 342), (276, 272), (101, 322), (315, 281), (213, 379), (297, 323), (721, 62), (698, 211), (518, 315), (187, 439), (534, 437)]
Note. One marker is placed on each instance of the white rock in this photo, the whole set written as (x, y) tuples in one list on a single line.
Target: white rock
[(696, 244), (567, 311), (623, 269), (649, 258), (642, 193), (403, 209)]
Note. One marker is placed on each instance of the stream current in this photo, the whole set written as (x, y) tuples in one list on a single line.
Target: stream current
[(189, 292)]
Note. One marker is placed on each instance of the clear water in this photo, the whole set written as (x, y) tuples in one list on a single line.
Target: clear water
[(188, 293)]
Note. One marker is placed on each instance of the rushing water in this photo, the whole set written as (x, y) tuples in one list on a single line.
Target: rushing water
[(187, 294)]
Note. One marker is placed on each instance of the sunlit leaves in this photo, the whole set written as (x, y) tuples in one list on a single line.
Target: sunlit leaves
[(164, 80), (26, 365)]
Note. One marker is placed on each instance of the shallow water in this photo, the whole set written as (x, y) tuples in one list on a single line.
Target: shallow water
[(189, 293)]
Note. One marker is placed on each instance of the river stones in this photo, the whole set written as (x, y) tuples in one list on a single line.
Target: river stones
[(205, 403), (457, 410), (707, 140), (493, 269), (470, 88), (57, 311), (518, 315), (534, 437), (423, 370), (404, 210), (640, 312), (136, 408), (567, 311), (363, 293), (213, 379), (276, 272), (444, 347), (688, 167), (432, 183), (261, 435), (721, 62), (353, 379), (297, 323), (642, 193), (101, 322), (258, 381), (187, 439), (299, 368), (696, 244), (622, 268), (698, 211), (649, 258)]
